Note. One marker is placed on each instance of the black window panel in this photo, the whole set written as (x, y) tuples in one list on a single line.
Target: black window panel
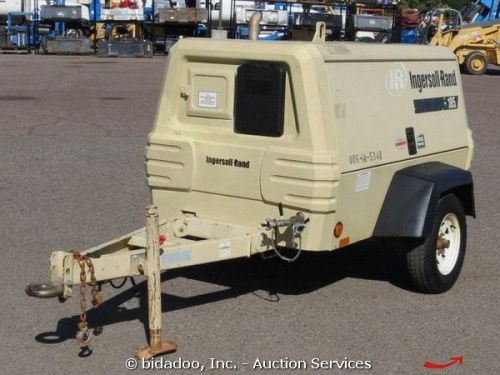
[(260, 99)]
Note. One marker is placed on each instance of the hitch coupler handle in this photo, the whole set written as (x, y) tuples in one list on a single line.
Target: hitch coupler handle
[(156, 346)]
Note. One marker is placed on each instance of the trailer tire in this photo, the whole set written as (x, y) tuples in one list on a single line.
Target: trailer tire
[(476, 63), (434, 269)]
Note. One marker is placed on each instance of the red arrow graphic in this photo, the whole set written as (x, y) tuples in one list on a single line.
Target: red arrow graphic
[(454, 361)]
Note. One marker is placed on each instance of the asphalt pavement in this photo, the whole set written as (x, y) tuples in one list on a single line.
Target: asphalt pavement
[(72, 137)]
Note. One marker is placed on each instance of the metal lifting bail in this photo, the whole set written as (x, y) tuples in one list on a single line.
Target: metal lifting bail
[(320, 33)]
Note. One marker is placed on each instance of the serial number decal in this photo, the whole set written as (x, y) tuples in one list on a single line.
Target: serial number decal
[(441, 103), (365, 157)]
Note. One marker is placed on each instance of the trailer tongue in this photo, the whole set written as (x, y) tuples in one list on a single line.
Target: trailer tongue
[(160, 246)]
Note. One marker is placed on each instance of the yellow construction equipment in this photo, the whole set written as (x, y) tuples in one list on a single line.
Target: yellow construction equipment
[(475, 45)]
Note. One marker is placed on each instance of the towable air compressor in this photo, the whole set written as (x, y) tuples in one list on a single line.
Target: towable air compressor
[(313, 146)]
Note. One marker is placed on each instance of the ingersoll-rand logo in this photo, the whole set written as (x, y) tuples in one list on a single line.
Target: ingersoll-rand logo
[(438, 78), (396, 79)]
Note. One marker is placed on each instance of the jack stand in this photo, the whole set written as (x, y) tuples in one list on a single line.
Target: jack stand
[(156, 346)]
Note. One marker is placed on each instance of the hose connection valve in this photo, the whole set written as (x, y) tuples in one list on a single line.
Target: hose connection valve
[(296, 223)]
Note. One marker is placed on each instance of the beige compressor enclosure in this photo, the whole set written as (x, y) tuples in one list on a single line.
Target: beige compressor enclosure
[(320, 128)]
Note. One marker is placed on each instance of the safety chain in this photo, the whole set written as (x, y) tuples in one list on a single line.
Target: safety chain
[(83, 335)]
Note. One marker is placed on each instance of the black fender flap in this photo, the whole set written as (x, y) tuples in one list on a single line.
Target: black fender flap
[(412, 198)]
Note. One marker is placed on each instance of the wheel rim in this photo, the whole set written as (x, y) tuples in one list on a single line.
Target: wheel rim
[(477, 64), (448, 244)]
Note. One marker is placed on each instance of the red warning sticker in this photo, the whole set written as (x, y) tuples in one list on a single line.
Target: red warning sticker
[(400, 143)]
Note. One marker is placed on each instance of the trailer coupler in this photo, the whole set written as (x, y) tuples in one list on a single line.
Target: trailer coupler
[(45, 290), (50, 289)]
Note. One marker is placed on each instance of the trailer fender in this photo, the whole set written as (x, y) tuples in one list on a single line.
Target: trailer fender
[(412, 198)]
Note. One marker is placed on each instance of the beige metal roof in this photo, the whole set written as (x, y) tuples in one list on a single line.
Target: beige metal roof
[(338, 51), (331, 51)]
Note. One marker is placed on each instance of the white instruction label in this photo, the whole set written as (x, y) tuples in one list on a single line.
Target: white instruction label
[(207, 99), (225, 249), (363, 181)]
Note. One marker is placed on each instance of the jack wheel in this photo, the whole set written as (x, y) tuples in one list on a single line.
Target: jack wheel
[(435, 264), (476, 63)]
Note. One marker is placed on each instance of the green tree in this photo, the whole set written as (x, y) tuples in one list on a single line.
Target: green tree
[(425, 5)]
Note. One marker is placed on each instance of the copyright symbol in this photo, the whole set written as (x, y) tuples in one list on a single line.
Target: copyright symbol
[(131, 363)]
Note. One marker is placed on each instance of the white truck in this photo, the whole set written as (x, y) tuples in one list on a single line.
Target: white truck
[(11, 6)]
